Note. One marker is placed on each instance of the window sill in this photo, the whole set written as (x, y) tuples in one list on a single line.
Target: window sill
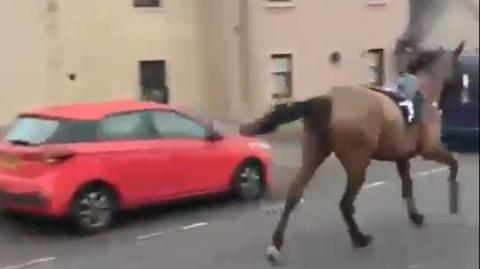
[(376, 3), (279, 5), (150, 9), (278, 96)]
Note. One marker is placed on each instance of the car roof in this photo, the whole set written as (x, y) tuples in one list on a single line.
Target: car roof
[(94, 111)]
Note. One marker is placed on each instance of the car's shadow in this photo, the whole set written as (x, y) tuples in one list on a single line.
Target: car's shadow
[(197, 209)]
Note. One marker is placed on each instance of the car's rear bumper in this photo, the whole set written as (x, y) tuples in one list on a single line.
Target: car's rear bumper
[(33, 201), (27, 195)]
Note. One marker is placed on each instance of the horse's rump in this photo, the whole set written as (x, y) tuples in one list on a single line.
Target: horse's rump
[(367, 115), (361, 104)]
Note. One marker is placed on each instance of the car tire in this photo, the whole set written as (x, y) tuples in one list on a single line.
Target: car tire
[(93, 208), (248, 182)]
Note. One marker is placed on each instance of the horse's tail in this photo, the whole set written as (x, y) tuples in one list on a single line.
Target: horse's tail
[(317, 108)]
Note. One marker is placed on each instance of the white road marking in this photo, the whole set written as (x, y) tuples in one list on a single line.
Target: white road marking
[(158, 234), (413, 266), (374, 184), (196, 225), (432, 171), (440, 169), (149, 236), (276, 208), (30, 263), (423, 173)]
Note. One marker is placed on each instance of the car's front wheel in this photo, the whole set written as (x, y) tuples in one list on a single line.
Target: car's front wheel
[(248, 181), (93, 209)]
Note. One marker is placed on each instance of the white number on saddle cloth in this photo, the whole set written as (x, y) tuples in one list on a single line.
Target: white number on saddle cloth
[(409, 105)]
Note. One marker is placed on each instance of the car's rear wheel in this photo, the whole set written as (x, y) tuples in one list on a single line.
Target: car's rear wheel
[(248, 181), (93, 209)]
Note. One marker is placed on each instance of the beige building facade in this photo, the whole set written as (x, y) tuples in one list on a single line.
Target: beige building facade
[(64, 51), (232, 58), (360, 34)]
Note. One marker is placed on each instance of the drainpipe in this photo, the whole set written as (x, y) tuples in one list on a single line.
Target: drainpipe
[(243, 33)]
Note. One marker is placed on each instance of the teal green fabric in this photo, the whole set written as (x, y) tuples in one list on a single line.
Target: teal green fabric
[(408, 86)]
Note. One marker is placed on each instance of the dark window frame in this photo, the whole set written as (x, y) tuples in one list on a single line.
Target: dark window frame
[(148, 82), (147, 3), (380, 67), (288, 74)]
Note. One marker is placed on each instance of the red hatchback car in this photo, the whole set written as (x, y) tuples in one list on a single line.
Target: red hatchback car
[(86, 161)]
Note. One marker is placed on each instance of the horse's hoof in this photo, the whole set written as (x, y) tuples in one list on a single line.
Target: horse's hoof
[(273, 255), (361, 241), (417, 219)]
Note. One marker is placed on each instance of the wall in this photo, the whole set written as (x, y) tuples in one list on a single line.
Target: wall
[(311, 30), (103, 41), (23, 78), (220, 34)]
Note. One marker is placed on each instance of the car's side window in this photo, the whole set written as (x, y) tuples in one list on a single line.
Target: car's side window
[(170, 124), (131, 126)]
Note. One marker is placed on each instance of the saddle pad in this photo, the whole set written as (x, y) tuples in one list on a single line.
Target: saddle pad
[(406, 106)]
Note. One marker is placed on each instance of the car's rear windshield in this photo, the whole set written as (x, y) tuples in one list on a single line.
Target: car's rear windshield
[(31, 131)]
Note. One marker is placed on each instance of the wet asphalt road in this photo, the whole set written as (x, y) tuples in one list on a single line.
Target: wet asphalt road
[(224, 234)]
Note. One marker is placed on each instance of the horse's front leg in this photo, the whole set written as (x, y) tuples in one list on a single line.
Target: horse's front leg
[(403, 168), (447, 158)]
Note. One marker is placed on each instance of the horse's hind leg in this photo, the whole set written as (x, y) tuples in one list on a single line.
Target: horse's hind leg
[(314, 153), (355, 166), (403, 168)]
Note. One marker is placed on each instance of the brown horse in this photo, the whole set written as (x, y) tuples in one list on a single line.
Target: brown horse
[(358, 125)]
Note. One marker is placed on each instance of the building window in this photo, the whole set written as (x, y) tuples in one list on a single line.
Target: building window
[(147, 3), (282, 75), (153, 81), (376, 67)]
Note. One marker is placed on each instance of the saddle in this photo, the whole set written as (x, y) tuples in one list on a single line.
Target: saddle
[(405, 105)]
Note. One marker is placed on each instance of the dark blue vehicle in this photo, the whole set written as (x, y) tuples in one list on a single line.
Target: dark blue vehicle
[(460, 105)]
